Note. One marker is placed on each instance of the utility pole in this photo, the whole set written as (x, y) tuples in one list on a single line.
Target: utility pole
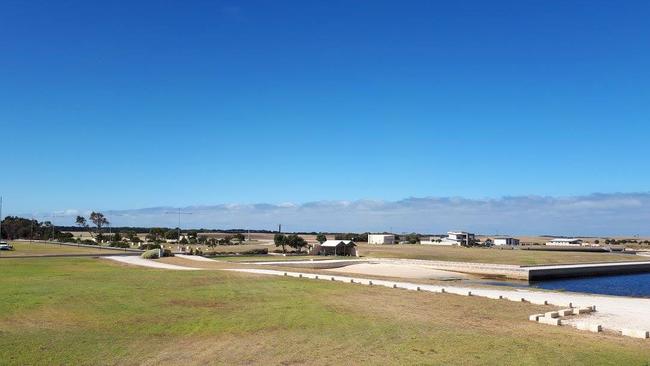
[(179, 221)]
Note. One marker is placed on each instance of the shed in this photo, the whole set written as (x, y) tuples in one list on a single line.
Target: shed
[(338, 247)]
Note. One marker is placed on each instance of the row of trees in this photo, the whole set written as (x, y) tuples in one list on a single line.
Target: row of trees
[(14, 227), (292, 240)]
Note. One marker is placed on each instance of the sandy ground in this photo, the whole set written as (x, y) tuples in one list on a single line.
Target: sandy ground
[(138, 261), (402, 271), (613, 313)]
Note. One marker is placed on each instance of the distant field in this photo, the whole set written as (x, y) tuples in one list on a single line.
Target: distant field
[(484, 255), (38, 249), (92, 311)]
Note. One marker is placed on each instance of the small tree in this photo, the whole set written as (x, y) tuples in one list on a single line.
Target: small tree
[(295, 241), (280, 240), (99, 220), (321, 238)]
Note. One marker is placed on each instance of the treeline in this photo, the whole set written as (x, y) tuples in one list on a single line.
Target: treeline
[(14, 227)]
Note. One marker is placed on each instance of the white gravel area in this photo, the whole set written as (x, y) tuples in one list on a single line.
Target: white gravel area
[(138, 261), (612, 312), (197, 258), (396, 270)]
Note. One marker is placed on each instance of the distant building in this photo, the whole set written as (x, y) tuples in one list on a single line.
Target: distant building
[(506, 241), (337, 247), (381, 239), (453, 238), (565, 242)]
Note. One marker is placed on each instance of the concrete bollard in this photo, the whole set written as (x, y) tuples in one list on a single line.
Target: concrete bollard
[(418, 288), (299, 275), (551, 314), (535, 317), (370, 283), (643, 334), (351, 280), (589, 327), (394, 286), (500, 297), (469, 293), (333, 279), (316, 277), (442, 291), (285, 273)]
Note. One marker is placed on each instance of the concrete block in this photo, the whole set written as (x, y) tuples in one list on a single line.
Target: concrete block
[(285, 273), (589, 327), (577, 311), (418, 288), (535, 317), (565, 312), (299, 275), (551, 314), (643, 334), (394, 286), (333, 279), (549, 321), (469, 293), (351, 280), (442, 291), (316, 277)]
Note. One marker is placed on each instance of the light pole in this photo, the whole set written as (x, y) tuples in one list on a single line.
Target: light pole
[(179, 212)]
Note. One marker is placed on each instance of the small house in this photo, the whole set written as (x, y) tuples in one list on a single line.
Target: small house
[(338, 247)]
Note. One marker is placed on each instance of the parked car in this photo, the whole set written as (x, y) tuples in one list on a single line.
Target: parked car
[(5, 246)]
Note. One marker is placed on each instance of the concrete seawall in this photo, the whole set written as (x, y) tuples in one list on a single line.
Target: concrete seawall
[(583, 270)]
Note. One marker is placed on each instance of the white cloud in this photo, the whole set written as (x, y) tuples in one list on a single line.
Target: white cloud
[(595, 214)]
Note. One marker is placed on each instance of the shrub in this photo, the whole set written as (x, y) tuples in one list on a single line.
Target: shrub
[(256, 251), (119, 244), (89, 242), (167, 253), (149, 246), (151, 254)]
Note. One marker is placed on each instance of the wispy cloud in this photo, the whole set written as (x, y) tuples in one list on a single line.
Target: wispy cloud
[(595, 214)]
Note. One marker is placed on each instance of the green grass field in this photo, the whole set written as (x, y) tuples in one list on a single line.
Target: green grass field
[(23, 248), (88, 311), (490, 255)]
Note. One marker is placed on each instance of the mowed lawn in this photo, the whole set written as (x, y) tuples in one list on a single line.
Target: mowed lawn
[(490, 255), (88, 311), (23, 248)]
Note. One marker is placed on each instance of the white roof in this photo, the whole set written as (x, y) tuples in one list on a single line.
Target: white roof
[(565, 240), (333, 243)]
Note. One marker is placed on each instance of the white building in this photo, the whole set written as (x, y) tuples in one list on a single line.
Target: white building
[(565, 242), (452, 238), (506, 241), (381, 239)]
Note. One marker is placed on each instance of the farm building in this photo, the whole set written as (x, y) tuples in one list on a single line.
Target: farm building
[(338, 247), (565, 242), (381, 239), (506, 241)]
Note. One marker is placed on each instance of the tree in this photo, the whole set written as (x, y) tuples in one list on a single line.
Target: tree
[(295, 241), (321, 238), (81, 222), (99, 220), (280, 240)]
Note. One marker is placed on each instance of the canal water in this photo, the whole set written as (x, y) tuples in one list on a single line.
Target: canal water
[(637, 285)]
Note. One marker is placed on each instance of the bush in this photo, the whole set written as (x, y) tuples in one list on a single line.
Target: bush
[(256, 251), (151, 254), (149, 246), (89, 242), (119, 244), (167, 253)]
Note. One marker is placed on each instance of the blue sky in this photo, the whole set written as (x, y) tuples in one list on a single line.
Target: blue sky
[(117, 106)]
